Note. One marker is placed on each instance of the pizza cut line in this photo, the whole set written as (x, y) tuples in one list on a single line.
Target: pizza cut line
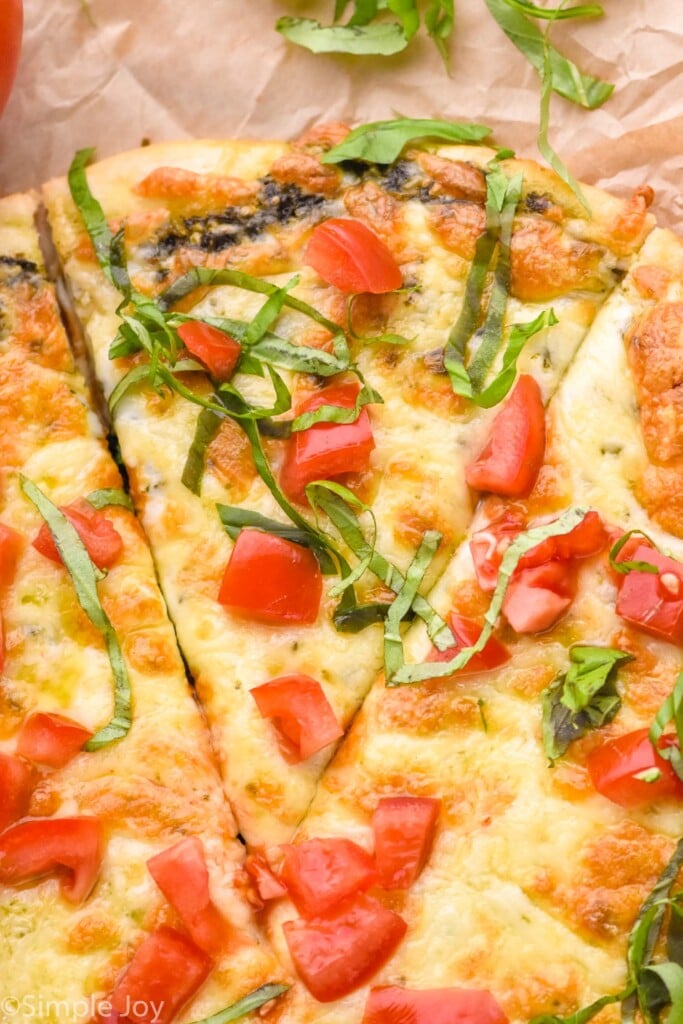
[(316, 371)]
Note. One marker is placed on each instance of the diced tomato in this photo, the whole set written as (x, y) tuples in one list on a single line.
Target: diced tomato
[(588, 537), (10, 547), (394, 1005), (16, 785), (404, 829), (337, 952), (214, 348), (182, 875), (51, 739), (320, 873), (301, 714), (271, 580), (466, 633), (537, 597), (613, 768), (70, 847), (513, 455), (268, 886), (350, 256), (327, 451), (101, 539), (164, 974), (490, 544), (654, 601)]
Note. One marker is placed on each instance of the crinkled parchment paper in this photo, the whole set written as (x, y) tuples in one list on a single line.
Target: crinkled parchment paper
[(110, 73)]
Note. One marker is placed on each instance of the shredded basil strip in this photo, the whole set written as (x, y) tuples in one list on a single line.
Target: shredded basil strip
[(234, 519), (382, 142), (543, 142), (439, 22), (503, 195), (567, 80), (650, 987), (565, 523), (583, 698), (403, 602), (201, 277), (337, 413), (90, 210), (557, 13), (85, 575), (337, 502), (637, 566), (670, 711), (109, 496), (208, 425), (380, 39), (246, 1005)]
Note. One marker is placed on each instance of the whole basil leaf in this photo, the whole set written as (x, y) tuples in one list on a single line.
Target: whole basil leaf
[(381, 142), (382, 38)]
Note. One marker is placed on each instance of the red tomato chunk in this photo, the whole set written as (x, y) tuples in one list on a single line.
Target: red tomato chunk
[(394, 1005), (513, 455), (301, 714), (327, 451), (348, 255), (271, 580), (102, 541), (653, 601), (51, 739), (320, 873), (70, 847), (404, 829), (337, 952), (214, 348), (614, 766)]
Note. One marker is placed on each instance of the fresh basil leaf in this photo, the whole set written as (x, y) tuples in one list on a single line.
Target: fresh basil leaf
[(202, 277), (407, 674), (338, 504), (661, 985), (302, 358), (364, 12), (408, 15), (581, 1016), (358, 618), (268, 313), (492, 331), (403, 602), (502, 199), (381, 39), (84, 576), (251, 1002), (670, 710), (109, 496), (647, 928), (90, 210), (208, 425), (382, 142), (235, 519), (556, 13), (439, 21), (337, 413), (637, 566), (567, 80), (584, 698)]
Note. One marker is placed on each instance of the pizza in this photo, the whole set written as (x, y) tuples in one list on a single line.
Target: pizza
[(401, 432), (406, 455), (122, 879)]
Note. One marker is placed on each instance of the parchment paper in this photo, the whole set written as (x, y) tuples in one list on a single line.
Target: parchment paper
[(111, 73)]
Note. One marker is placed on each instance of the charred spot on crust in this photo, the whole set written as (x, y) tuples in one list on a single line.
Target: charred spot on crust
[(14, 269), (214, 232), (537, 203)]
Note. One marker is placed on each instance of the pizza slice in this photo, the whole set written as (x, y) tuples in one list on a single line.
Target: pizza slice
[(347, 293), (510, 811), (121, 879)]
